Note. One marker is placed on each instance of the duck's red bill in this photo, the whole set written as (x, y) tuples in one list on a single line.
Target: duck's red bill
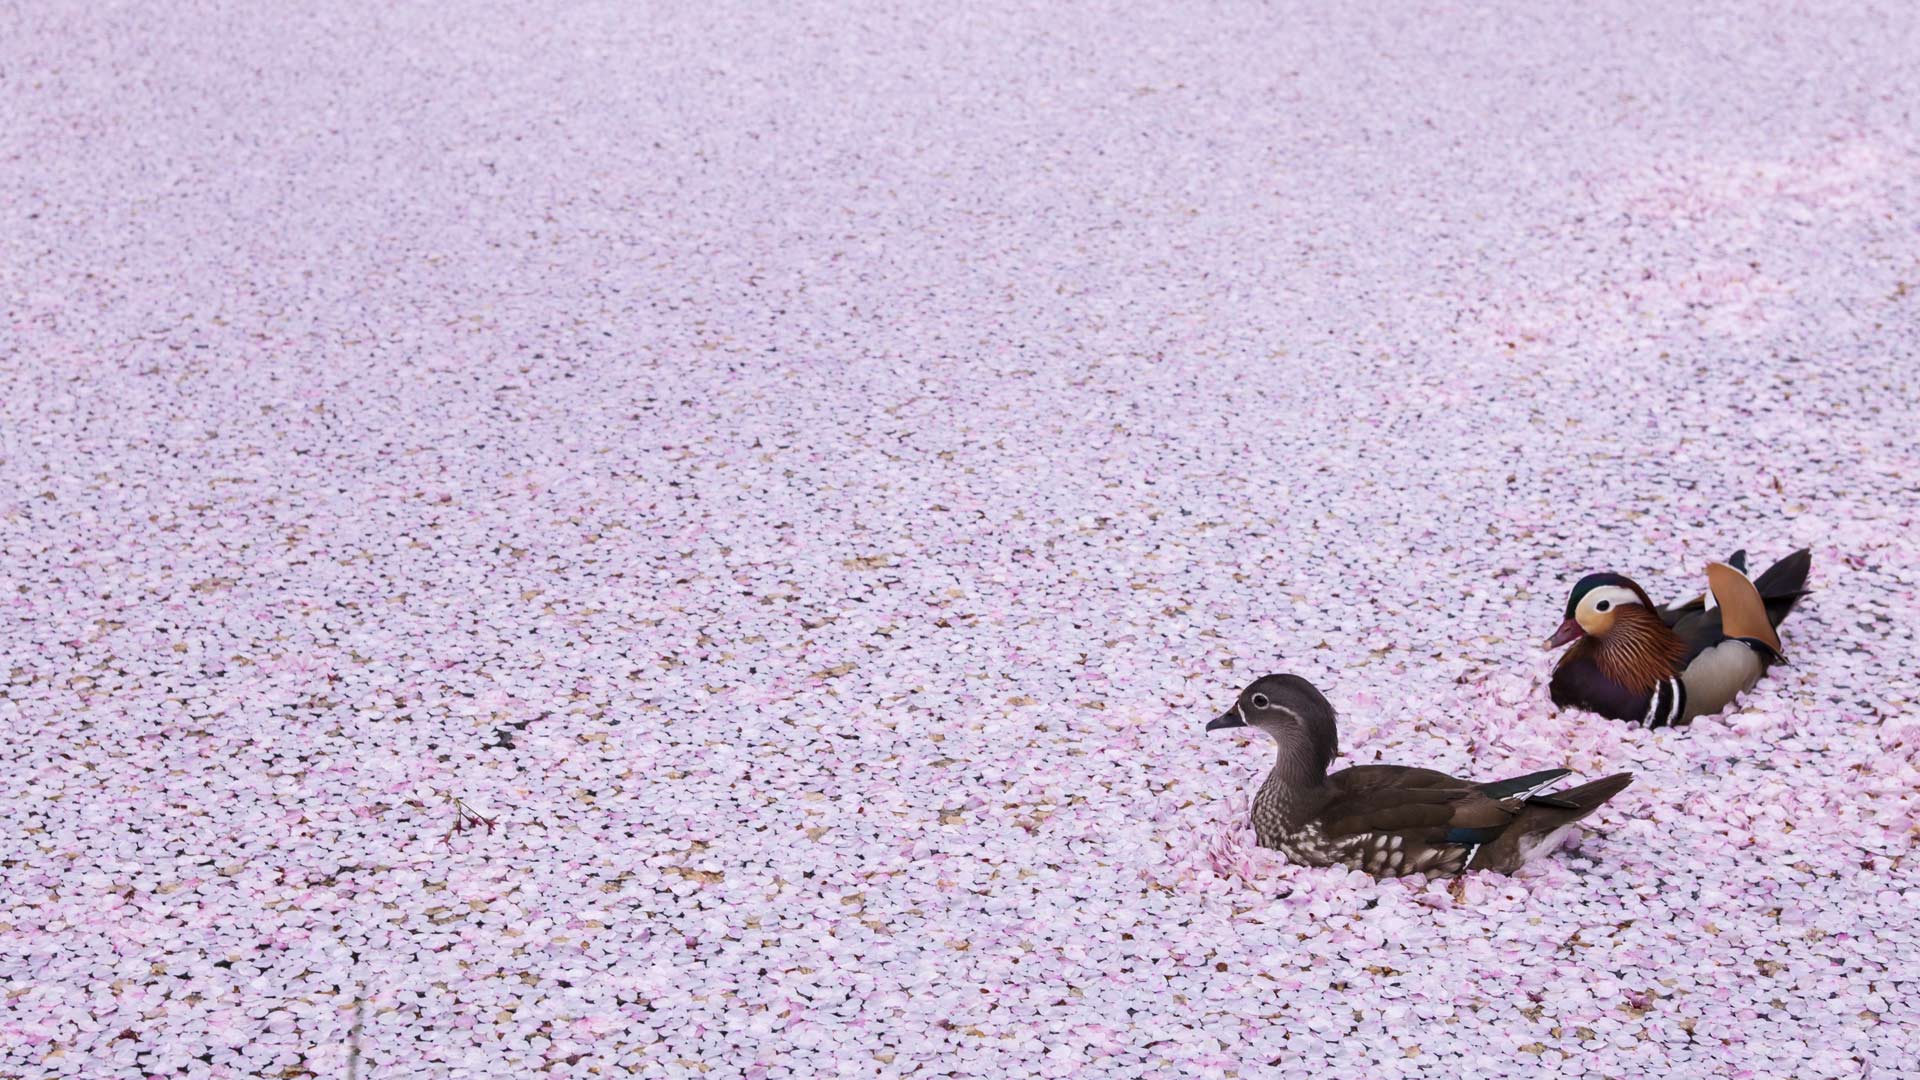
[(1567, 632)]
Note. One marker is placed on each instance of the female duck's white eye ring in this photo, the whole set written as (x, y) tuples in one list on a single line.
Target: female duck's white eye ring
[(1260, 701)]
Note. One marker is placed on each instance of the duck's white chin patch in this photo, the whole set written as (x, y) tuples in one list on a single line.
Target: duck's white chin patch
[(1545, 845)]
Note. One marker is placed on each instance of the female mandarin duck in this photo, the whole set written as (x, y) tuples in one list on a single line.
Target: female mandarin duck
[(1666, 665), (1390, 820)]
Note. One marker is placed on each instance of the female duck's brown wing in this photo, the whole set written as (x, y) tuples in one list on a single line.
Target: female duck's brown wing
[(1519, 786), (1403, 821), (1418, 804)]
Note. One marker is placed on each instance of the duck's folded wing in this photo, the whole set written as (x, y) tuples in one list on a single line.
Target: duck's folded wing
[(1682, 610), (1740, 611), (1691, 610), (1432, 806), (1744, 612), (1700, 629), (1517, 786)]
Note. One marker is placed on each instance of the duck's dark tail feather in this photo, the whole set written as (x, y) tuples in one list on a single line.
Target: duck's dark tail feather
[(1542, 821), (1784, 583), (1577, 802)]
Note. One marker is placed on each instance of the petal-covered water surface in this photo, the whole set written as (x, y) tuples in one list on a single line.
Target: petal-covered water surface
[(701, 540)]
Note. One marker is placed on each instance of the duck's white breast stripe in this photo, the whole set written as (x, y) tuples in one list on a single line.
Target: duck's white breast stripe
[(1666, 704)]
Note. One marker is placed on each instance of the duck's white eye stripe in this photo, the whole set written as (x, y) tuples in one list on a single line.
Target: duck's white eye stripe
[(1260, 701), (1608, 597)]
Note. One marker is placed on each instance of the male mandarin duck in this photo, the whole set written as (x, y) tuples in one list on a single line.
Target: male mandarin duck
[(1391, 820), (1666, 665)]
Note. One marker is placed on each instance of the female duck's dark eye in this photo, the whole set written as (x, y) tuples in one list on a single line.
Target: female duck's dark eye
[(1603, 605), (1259, 701)]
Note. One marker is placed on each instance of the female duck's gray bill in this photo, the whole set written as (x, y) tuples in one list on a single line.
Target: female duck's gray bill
[(1230, 718)]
